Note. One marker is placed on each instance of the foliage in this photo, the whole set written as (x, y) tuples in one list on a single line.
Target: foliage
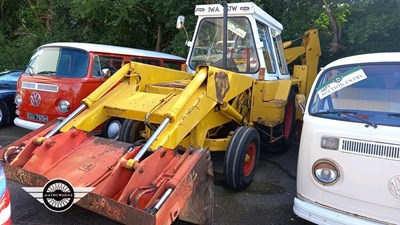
[(365, 25), (374, 27)]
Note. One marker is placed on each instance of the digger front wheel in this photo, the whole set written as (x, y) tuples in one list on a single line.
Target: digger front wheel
[(130, 131), (241, 158)]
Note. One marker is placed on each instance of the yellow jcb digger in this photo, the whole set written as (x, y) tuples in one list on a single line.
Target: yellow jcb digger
[(236, 95)]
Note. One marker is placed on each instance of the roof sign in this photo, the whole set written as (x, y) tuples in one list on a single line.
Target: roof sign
[(217, 9)]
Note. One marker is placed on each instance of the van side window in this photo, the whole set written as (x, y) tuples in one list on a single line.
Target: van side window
[(173, 65), (267, 49), (96, 70), (106, 62), (154, 62)]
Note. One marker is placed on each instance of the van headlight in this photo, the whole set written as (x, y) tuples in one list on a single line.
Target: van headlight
[(18, 99), (64, 106), (326, 172)]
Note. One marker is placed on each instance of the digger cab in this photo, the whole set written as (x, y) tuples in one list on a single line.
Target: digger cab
[(254, 43)]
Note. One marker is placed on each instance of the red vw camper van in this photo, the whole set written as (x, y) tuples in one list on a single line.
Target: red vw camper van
[(60, 75)]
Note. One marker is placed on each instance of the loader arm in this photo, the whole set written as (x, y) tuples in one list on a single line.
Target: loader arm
[(135, 78), (185, 106)]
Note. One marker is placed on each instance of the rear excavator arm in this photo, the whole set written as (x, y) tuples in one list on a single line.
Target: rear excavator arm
[(309, 52)]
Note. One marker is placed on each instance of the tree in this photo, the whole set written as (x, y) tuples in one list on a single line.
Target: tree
[(336, 24), (373, 26)]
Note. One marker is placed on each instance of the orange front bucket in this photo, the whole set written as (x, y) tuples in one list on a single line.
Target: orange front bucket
[(130, 197)]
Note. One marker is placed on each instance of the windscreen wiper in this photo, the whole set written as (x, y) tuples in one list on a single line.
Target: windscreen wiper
[(47, 72), (347, 113), (31, 70), (393, 114)]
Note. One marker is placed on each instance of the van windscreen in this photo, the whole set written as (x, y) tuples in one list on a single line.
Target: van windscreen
[(60, 62)]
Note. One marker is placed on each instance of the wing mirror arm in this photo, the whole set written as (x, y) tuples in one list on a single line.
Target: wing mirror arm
[(180, 24)]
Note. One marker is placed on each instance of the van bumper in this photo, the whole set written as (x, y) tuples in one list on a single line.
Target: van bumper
[(320, 215), (27, 124)]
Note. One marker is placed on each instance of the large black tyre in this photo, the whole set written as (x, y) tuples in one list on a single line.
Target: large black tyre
[(288, 124), (241, 158), (4, 114), (130, 131)]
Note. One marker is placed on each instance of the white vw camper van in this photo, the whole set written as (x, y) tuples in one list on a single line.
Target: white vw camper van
[(349, 159)]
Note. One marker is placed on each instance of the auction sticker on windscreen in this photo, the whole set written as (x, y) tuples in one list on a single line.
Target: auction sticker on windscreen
[(341, 81)]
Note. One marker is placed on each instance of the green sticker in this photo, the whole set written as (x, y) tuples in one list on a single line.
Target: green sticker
[(341, 81)]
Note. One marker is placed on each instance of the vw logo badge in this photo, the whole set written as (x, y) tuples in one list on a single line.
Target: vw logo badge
[(394, 186), (35, 99)]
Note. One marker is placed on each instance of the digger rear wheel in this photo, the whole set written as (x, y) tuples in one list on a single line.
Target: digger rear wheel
[(130, 131), (241, 158), (288, 124)]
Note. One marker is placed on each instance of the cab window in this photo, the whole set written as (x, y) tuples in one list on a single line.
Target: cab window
[(208, 45), (277, 38), (267, 49)]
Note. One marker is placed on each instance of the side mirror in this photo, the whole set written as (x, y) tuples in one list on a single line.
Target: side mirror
[(105, 73), (180, 22), (301, 101)]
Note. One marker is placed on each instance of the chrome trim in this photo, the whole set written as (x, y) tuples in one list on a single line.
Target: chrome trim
[(27, 124), (394, 186), (370, 148), (319, 214), (35, 99), (40, 87)]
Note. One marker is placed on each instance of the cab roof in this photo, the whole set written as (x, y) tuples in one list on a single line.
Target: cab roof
[(238, 9), (89, 47)]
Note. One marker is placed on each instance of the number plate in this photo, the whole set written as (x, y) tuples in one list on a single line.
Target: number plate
[(38, 117)]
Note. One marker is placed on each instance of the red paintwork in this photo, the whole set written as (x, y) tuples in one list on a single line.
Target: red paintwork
[(5, 208), (70, 89), (89, 161), (249, 166)]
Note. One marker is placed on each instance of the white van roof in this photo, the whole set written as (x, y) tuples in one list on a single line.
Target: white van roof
[(366, 58), (89, 47)]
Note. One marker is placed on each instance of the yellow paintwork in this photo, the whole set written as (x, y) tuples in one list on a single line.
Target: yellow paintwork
[(186, 94), (229, 111), (106, 86), (126, 94), (271, 97), (238, 83), (185, 103), (217, 145), (212, 120), (312, 50), (197, 105)]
